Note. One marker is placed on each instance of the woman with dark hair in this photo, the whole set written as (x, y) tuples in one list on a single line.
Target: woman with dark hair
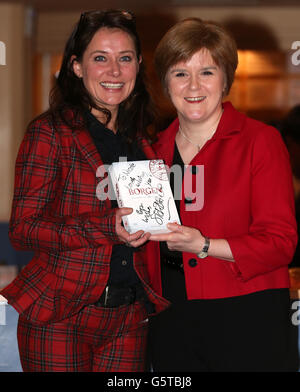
[(84, 298), (135, 112), (225, 269)]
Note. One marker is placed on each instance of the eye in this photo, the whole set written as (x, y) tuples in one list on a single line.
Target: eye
[(126, 58), (180, 74), (207, 73), (100, 58)]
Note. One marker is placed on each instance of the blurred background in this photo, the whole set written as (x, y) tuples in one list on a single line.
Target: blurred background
[(33, 34)]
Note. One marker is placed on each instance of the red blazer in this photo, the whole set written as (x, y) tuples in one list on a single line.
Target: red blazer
[(248, 200), (57, 214)]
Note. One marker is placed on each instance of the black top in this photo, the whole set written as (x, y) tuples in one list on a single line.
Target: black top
[(173, 281), (177, 160), (111, 147)]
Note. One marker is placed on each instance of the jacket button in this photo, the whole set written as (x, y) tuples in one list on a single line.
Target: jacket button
[(188, 200), (193, 262)]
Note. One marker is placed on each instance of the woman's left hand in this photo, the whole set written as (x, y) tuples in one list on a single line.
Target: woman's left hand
[(135, 239), (181, 238)]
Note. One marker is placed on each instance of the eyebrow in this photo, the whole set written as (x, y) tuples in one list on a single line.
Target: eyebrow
[(184, 69), (105, 52)]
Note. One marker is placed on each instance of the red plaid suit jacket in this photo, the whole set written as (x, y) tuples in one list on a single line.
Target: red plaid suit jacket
[(57, 214)]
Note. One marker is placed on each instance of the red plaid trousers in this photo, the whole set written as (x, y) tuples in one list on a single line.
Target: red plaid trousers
[(96, 339)]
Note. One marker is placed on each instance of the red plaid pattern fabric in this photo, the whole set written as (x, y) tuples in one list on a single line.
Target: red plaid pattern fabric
[(95, 339), (57, 214)]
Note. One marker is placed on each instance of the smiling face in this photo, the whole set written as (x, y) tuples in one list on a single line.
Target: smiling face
[(196, 88), (109, 68)]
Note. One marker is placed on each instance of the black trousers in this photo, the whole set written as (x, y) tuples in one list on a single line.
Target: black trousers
[(252, 333)]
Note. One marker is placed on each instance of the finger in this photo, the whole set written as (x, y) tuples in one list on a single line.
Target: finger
[(135, 236), (170, 246), (175, 227), (125, 236), (124, 211), (160, 237), (128, 238), (141, 241)]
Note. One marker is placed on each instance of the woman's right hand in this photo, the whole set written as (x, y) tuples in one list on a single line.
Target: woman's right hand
[(135, 239)]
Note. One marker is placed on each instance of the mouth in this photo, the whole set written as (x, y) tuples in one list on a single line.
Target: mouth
[(194, 99), (111, 85)]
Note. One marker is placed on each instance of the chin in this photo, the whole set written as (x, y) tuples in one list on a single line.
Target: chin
[(195, 118)]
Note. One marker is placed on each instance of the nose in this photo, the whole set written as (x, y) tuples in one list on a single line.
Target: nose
[(115, 68), (195, 82)]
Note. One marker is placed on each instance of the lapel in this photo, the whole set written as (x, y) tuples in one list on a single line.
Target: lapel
[(164, 147), (146, 147), (84, 141), (88, 148), (231, 123)]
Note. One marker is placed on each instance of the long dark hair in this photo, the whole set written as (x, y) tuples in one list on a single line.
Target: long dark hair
[(136, 113)]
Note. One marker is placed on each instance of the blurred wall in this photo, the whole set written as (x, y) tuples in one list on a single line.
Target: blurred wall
[(280, 22), (277, 25), (15, 97), (15, 111), (269, 29)]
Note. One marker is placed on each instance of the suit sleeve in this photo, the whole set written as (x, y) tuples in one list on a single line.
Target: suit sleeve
[(33, 223), (272, 237)]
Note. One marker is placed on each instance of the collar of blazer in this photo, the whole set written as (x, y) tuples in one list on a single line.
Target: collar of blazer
[(231, 124), (87, 146)]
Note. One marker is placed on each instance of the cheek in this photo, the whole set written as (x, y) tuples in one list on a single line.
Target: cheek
[(132, 80), (214, 87), (220, 85), (130, 77), (174, 89), (90, 73), (132, 74)]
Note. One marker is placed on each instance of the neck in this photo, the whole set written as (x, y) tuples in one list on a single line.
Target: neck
[(200, 132), (102, 118)]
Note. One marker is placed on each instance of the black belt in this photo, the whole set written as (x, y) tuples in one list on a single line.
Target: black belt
[(114, 296), (176, 264)]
